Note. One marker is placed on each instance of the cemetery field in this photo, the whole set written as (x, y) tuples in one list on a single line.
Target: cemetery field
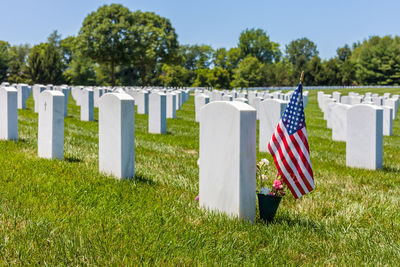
[(67, 213)]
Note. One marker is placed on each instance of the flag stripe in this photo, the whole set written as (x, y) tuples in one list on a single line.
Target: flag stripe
[(281, 167), (284, 173), (303, 165), (289, 171), (291, 159)]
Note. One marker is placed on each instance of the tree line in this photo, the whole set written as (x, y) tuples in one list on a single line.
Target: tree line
[(116, 46)]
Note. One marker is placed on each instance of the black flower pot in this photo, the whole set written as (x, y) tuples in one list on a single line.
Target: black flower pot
[(268, 205)]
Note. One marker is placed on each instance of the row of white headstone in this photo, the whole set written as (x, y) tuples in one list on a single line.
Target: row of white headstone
[(116, 123), (361, 121), (269, 107), (159, 104)]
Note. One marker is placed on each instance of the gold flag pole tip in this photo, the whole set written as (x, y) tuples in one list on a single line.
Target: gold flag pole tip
[(301, 76)]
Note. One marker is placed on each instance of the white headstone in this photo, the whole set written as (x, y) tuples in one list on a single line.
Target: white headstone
[(178, 99), (305, 99), (243, 100), (157, 113), (337, 96), (65, 91), (227, 98), (51, 125), (256, 104), (364, 140), (228, 161), (8, 113), (338, 122), (142, 102), (36, 90), (270, 112), (171, 105), (87, 105), (199, 101), (97, 93), (391, 103), (117, 135), (23, 95), (387, 120)]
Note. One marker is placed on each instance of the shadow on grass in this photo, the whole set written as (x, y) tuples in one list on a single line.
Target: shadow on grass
[(72, 159), (390, 169), (22, 140), (297, 221), (142, 179)]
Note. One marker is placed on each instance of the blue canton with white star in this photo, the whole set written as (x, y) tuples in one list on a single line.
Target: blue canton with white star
[(293, 117)]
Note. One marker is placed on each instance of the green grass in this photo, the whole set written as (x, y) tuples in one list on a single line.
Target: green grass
[(67, 213)]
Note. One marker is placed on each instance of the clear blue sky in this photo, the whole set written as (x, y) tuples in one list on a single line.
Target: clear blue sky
[(329, 24)]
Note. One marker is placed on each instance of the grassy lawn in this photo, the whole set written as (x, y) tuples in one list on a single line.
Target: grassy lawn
[(67, 213)]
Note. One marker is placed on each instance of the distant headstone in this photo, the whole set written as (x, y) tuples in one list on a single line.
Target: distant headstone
[(8, 113), (51, 125), (117, 135), (65, 91), (256, 104), (270, 113), (23, 95), (338, 122), (337, 96), (36, 90), (364, 140), (240, 99), (199, 101), (157, 113), (227, 98), (87, 105), (387, 120), (305, 99), (391, 103), (142, 102), (178, 99), (354, 100), (228, 161), (97, 93), (171, 105)]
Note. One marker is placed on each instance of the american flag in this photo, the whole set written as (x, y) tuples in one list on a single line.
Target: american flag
[(289, 147)]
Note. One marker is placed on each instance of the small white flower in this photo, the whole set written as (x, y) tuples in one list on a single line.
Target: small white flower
[(265, 190), (265, 161)]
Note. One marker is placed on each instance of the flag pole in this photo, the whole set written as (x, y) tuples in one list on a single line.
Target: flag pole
[(302, 76)]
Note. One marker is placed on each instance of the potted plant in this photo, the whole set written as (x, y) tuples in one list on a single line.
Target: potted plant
[(268, 199)]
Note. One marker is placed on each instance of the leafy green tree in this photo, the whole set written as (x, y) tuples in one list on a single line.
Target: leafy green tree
[(18, 55), (81, 71), (106, 37), (299, 52), (68, 47), (173, 75), (197, 56), (204, 78), (220, 58), (256, 43), (155, 43), (250, 73), (348, 73), (279, 74), (234, 57), (377, 61), (45, 64), (330, 73), (313, 72), (4, 59), (343, 53)]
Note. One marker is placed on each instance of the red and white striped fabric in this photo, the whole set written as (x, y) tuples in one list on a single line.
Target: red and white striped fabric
[(289, 147)]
